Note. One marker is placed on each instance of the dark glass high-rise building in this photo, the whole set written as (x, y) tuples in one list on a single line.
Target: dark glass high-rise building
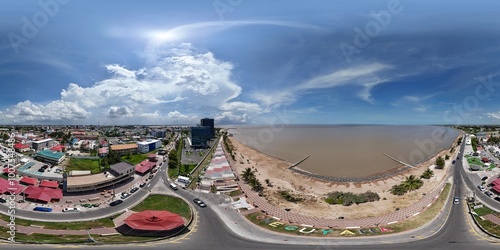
[(207, 122)]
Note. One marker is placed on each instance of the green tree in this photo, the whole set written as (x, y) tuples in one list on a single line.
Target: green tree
[(247, 174), (427, 174), (255, 184), (440, 162), (412, 183), (398, 190)]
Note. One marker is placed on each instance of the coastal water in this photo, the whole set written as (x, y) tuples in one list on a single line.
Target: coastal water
[(347, 150)]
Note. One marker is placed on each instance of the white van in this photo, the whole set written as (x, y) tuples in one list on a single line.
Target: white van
[(173, 186)]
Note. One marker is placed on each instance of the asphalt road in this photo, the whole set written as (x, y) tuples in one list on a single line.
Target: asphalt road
[(212, 233)]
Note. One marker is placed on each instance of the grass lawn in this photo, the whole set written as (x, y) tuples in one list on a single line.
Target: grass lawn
[(163, 202), (475, 161), (186, 169), (483, 211), (135, 159), (425, 216), (235, 193), (173, 172), (489, 226), (84, 164), (78, 225), (47, 238)]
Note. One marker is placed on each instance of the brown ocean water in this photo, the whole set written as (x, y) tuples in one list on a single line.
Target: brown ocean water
[(347, 150)]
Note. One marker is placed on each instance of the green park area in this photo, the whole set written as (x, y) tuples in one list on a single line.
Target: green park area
[(85, 164), (475, 161), (137, 158), (152, 202), (487, 225), (162, 202)]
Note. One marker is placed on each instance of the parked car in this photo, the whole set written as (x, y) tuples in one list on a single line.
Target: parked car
[(71, 209), (456, 200), (497, 198), (117, 202), (2, 200), (481, 188), (199, 202), (484, 178), (150, 176), (42, 209), (125, 195), (133, 190), (489, 193), (142, 184)]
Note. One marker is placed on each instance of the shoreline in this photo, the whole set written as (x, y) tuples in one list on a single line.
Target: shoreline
[(313, 191), (295, 167)]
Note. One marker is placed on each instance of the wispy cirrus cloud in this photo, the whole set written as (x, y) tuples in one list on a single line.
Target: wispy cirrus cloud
[(198, 29), (366, 77), (416, 102)]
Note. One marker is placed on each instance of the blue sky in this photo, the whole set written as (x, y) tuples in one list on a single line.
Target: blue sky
[(241, 61)]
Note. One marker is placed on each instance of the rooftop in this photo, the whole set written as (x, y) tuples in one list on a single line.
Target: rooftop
[(50, 154), (124, 146), (88, 179), (121, 167)]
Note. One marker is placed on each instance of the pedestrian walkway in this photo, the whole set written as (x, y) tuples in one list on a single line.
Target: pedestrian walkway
[(294, 218)]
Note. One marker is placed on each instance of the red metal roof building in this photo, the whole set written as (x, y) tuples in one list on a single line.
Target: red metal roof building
[(19, 147), (28, 180), (153, 220), (144, 166), (49, 184), (496, 185), (43, 194), (58, 148), (8, 186)]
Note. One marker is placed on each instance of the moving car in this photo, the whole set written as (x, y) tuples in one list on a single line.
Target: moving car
[(71, 209), (173, 186), (456, 200), (481, 188), (117, 202), (199, 202), (42, 209)]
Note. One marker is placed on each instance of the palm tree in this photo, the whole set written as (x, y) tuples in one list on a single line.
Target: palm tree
[(255, 184), (247, 174), (412, 183), (427, 174)]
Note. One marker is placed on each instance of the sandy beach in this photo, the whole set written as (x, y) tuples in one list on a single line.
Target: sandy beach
[(314, 191)]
